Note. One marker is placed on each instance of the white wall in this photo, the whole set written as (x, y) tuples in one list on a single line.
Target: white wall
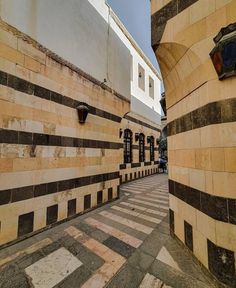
[(87, 34), (151, 105), (74, 30)]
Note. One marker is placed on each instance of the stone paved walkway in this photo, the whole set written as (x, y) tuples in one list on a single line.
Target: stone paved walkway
[(123, 244)]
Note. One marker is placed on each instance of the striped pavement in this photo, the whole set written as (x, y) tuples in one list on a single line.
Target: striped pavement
[(123, 244)]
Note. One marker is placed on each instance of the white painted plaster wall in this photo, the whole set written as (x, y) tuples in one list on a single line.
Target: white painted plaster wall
[(89, 35), (74, 30)]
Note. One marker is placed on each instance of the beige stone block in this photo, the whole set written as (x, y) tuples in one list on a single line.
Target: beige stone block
[(192, 34), (200, 247), (180, 174), (209, 182), (218, 159), (226, 235), (32, 64), (8, 39), (40, 219), (224, 184), (115, 194), (228, 132), (62, 210), (8, 229), (105, 195), (187, 213), (94, 199), (230, 159), (216, 21), (31, 51), (173, 202), (220, 135), (181, 21), (190, 140), (11, 54), (26, 164), (179, 227), (203, 159), (79, 204), (206, 226), (197, 179), (231, 12), (201, 9), (221, 3), (7, 66), (6, 165), (202, 48)]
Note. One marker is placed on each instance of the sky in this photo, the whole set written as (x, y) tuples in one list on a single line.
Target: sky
[(135, 15)]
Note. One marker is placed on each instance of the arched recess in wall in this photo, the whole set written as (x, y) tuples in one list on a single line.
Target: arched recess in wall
[(177, 63)]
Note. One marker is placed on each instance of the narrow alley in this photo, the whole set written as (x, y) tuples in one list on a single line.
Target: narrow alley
[(125, 243)]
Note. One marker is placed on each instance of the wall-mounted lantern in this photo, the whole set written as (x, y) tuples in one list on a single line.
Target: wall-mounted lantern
[(148, 139), (121, 132), (223, 54), (157, 141), (140, 75), (150, 85), (83, 111), (136, 137)]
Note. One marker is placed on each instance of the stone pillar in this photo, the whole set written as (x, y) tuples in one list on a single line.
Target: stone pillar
[(201, 129)]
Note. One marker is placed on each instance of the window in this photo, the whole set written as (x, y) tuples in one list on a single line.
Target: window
[(141, 77), (151, 141), (141, 147), (127, 146), (151, 87)]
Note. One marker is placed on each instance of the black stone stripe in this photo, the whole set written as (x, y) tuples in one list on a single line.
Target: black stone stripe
[(221, 263), (122, 166), (141, 123), (136, 147), (28, 138), (33, 191), (219, 208), (160, 18), (41, 92), (223, 111), (134, 165)]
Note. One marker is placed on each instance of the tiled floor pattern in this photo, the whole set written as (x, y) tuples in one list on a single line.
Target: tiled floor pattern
[(123, 244)]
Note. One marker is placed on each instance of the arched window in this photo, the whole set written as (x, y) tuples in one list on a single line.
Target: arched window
[(141, 147), (127, 146), (151, 141)]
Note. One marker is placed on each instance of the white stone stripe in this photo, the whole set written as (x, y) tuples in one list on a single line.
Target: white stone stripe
[(128, 239), (151, 211), (113, 261), (148, 203), (133, 191), (137, 214), (158, 196), (149, 281), (127, 222), (152, 199), (140, 186), (135, 188), (52, 269), (160, 192)]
